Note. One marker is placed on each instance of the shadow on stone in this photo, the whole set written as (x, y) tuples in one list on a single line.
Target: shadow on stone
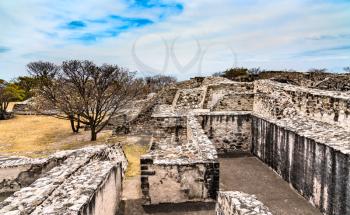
[(135, 207), (236, 155)]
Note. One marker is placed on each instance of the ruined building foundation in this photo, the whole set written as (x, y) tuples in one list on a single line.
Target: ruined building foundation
[(302, 134)]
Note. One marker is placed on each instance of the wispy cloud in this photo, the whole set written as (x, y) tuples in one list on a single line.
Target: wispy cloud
[(92, 30), (330, 37), (4, 49), (73, 25), (142, 4), (271, 34), (107, 27), (326, 51)]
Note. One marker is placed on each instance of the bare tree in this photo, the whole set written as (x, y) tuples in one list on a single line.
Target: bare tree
[(255, 71), (156, 83), (51, 92), (317, 71), (83, 92)]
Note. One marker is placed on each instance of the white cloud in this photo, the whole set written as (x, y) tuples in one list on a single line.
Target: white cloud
[(270, 34)]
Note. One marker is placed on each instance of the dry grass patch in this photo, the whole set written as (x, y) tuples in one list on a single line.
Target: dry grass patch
[(133, 153), (37, 136)]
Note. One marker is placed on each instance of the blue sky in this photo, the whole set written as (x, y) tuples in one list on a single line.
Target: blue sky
[(183, 38)]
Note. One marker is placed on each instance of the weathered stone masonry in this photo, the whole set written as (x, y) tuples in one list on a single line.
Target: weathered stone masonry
[(318, 168), (230, 132), (184, 171), (277, 100), (237, 203), (88, 181), (19, 172), (303, 135)]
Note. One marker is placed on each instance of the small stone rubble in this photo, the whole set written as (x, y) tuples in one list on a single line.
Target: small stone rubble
[(65, 181), (238, 203)]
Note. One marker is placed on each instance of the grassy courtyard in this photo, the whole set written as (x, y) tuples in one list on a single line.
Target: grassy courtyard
[(39, 136)]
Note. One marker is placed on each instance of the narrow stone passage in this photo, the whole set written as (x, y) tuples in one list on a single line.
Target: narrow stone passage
[(248, 174), (245, 173), (132, 203)]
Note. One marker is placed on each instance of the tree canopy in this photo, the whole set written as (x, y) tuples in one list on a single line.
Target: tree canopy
[(9, 92), (84, 92)]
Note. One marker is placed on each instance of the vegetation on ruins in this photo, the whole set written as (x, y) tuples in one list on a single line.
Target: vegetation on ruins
[(9, 92), (154, 84), (315, 70), (83, 92), (233, 73)]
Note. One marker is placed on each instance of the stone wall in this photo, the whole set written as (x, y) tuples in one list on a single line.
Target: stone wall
[(183, 170), (237, 102), (230, 132), (187, 99), (87, 182), (336, 83), (19, 172), (277, 100), (303, 134), (237, 203), (176, 183), (229, 96), (312, 156), (144, 123), (96, 190)]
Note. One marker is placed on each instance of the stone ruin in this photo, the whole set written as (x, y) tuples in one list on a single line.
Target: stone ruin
[(300, 133), (84, 181)]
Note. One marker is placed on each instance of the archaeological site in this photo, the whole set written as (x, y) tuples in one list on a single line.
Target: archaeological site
[(215, 146)]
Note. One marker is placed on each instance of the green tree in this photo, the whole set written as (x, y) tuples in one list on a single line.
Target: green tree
[(9, 92), (233, 73), (28, 84)]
